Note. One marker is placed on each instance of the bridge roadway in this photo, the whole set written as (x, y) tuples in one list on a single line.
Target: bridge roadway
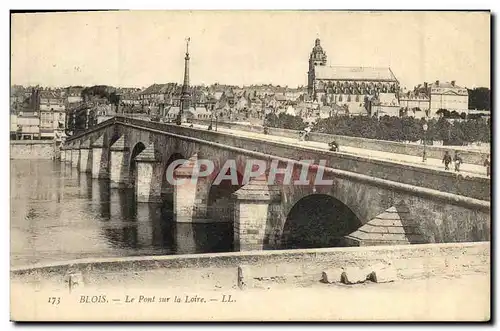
[(470, 170)]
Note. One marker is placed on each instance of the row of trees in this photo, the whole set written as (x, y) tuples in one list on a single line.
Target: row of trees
[(392, 128), (408, 129), (480, 98)]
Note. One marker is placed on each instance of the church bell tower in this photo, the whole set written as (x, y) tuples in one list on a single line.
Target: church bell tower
[(317, 58)]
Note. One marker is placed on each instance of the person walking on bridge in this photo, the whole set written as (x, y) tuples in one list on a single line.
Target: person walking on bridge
[(447, 160), (458, 161), (487, 164), (334, 146)]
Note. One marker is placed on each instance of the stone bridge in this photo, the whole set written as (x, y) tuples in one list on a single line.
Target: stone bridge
[(368, 202)]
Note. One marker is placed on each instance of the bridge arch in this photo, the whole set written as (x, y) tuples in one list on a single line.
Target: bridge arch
[(220, 204), (318, 220), (136, 150)]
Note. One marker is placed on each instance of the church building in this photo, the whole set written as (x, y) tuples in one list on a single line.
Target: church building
[(351, 87)]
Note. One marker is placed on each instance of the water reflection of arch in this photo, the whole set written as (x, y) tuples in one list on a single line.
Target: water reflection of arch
[(85, 184), (154, 228), (101, 198), (203, 237), (120, 230), (139, 227)]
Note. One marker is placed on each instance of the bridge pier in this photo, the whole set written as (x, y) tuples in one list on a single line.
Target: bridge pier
[(85, 157), (100, 159), (75, 155), (190, 198), (119, 167), (254, 206), (148, 179)]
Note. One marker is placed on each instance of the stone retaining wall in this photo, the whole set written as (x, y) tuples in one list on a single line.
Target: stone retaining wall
[(32, 149)]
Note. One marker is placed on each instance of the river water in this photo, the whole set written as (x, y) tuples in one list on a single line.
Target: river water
[(59, 214)]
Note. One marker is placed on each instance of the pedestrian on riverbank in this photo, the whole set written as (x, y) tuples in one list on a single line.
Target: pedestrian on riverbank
[(458, 161), (447, 160), (487, 164)]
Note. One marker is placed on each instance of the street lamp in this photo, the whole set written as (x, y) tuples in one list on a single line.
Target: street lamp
[(424, 156)]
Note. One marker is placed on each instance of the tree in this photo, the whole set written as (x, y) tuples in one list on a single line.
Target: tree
[(412, 129), (479, 98), (484, 130), (442, 130), (457, 136), (443, 112), (272, 120), (471, 130), (114, 99)]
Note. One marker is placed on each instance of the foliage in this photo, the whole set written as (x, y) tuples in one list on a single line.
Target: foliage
[(455, 132), (479, 98), (285, 121), (101, 91)]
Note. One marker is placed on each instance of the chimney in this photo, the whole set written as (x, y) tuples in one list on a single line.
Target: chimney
[(452, 83), (437, 82), (425, 87)]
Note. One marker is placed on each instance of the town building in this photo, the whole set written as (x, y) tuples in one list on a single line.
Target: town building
[(14, 128), (449, 96), (425, 100), (349, 86), (52, 110), (28, 126)]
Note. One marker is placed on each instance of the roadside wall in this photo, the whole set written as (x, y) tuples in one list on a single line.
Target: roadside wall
[(435, 152)]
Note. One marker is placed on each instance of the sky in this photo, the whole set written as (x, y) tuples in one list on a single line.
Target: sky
[(139, 48)]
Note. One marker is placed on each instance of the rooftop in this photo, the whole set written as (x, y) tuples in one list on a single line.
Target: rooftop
[(446, 85), (355, 73)]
